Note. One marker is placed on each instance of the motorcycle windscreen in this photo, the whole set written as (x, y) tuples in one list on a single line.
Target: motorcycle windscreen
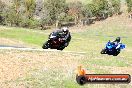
[(53, 36)]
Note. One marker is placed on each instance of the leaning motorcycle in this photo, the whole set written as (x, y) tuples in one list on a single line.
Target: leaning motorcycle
[(112, 48), (54, 42)]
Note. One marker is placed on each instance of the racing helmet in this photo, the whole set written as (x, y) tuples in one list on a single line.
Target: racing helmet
[(65, 30), (118, 39)]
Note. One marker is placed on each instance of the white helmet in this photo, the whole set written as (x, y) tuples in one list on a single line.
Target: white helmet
[(65, 30)]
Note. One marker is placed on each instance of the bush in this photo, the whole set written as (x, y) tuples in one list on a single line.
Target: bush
[(129, 5), (75, 10), (116, 4), (89, 10), (30, 23), (101, 5), (53, 8), (2, 8), (63, 17)]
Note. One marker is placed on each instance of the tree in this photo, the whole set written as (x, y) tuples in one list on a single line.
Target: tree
[(39, 8), (29, 8), (129, 5), (75, 9), (54, 8), (17, 4), (89, 10), (2, 8), (15, 14), (11, 13), (101, 5), (116, 4)]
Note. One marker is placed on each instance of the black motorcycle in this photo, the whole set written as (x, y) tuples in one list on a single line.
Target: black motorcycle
[(55, 41)]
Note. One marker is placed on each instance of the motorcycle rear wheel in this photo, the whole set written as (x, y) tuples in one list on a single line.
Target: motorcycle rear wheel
[(116, 53), (61, 48)]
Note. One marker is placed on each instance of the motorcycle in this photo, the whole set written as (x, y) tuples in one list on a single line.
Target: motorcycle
[(55, 41), (112, 48)]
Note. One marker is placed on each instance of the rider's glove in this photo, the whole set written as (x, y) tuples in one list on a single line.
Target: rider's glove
[(60, 39), (64, 39)]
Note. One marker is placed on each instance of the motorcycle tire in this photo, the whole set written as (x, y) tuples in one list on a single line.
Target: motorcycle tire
[(116, 53), (61, 48), (103, 51), (45, 45)]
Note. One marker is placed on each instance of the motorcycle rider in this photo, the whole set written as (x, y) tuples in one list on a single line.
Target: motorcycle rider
[(63, 34), (67, 36), (117, 42)]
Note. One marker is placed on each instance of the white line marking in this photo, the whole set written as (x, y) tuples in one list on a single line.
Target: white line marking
[(32, 49)]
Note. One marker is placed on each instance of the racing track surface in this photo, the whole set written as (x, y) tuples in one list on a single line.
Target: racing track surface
[(6, 47)]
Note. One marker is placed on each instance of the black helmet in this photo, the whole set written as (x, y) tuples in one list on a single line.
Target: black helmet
[(118, 39), (65, 30)]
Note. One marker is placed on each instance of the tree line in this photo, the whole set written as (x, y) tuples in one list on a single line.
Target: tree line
[(46, 13), (129, 5)]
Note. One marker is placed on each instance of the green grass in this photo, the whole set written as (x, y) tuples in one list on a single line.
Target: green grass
[(108, 62), (24, 35)]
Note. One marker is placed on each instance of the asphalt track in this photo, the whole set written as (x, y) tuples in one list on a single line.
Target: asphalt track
[(6, 47)]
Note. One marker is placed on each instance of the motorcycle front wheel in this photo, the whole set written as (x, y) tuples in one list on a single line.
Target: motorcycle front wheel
[(45, 45), (103, 51)]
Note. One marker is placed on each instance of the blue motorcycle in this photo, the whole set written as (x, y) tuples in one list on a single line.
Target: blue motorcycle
[(112, 48)]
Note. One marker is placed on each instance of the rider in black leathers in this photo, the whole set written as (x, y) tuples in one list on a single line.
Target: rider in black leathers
[(117, 41), (64, 34)]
